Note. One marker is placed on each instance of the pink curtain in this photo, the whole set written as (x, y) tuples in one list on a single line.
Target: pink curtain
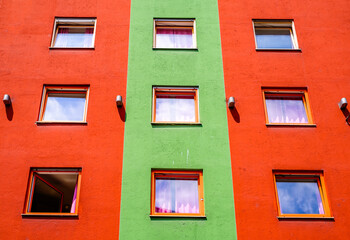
[(174, 38), (74, 201)]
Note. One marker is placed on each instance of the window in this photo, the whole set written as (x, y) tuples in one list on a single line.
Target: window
[(287, 107), (73, 33), (301, 194), (53, 191), (177, 193), (175, 105), (174, 33), (275, 35), (64, 104)]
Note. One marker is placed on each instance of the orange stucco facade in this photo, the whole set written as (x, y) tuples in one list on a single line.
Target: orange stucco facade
[(322, 66), (27, 64)]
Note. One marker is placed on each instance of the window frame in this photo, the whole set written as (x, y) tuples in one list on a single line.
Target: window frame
[(303, 175), (173, 91), (175, 23), (180, 174), (72, 89), (30, 188), (293, 92), (73, 23), (277, 24)]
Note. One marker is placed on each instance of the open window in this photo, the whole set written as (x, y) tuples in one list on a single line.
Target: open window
[(64, 104), (174, 33), (275, 35), (287, 107), (175, 105), (53, 191), (301, 194), (177, 193), (74, 33)]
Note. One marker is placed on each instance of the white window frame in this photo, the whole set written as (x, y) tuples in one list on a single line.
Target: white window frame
[(74, 22), (175, 22), (276, 24)]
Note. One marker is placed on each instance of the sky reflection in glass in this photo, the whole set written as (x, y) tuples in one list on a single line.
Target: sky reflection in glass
[(176, 196), (179, 109), (274, 39), (299, 197), (65, 108)]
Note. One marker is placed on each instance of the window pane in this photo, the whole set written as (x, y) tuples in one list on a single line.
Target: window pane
[(274, 38), (54, 192), (174, 38), (286, 110), (299, 197), (176, 196), (65, 107), (74, 37), (176, 109)]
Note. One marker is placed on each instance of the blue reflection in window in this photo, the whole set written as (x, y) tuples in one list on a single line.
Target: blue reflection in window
[(274, 38), (65, 107), (299, 197)]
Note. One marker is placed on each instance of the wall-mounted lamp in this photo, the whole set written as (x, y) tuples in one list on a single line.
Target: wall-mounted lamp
[(231, 102), (343, 103), (119, 101), (7, 100)]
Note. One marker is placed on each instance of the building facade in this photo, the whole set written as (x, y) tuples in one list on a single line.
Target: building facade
[(174, 119)]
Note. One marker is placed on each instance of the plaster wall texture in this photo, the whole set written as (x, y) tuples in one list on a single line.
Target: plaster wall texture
[(26, 64), (148, 146), (323, 67)]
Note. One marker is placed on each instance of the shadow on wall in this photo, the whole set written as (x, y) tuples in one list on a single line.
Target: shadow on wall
[(122, 113), (235, 114), (9, 112)]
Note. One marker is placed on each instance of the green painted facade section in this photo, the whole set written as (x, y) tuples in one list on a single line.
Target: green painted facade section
[(148, 146)]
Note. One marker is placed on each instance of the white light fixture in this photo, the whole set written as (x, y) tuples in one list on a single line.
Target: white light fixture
[(7, 100), (231, 102), (343, 103), (119, 101)]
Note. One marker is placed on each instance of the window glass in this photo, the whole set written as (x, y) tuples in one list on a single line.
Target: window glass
[(177, 193), (286, 110), (274, 38), (73, 33), (176, 196), (174, 33), (74, 37), (287, 106), (65, 107), (175, 105), (275, 34), (53, 191), (299, 197), (174, 38)]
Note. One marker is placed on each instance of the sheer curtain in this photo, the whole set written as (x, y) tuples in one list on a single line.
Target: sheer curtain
[(286, 111), (176, 196), (174, 38)]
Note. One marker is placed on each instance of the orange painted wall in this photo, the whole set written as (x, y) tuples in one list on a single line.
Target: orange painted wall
[(322, 67), (26, 63)]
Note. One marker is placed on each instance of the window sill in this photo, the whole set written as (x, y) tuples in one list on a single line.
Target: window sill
[(186, 49), (53, 215), (289, 125), (305, 218), (72, 48), (178, 216), (277, 50), (61, 122), (176, 123)]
